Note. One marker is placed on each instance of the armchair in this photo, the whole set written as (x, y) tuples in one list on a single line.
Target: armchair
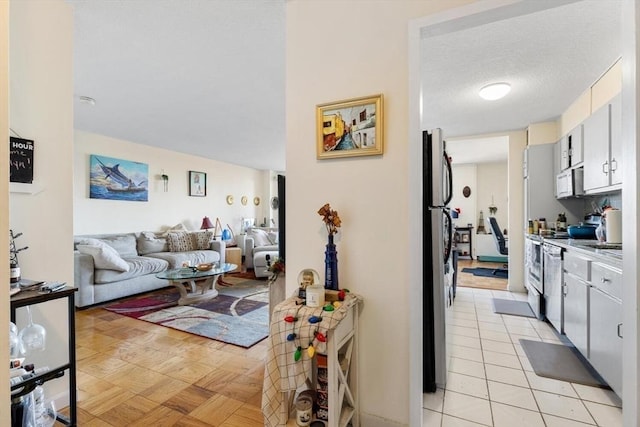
[(256, 245)]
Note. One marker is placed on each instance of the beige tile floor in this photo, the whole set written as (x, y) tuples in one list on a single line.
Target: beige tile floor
[(491, 383)]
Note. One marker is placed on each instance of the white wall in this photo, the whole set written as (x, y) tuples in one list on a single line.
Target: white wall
[(492, 182), (41, 73), (465, 176), (370, 193), (169, 208)]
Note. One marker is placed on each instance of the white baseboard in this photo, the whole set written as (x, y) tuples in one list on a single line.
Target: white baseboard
[(370, 420)]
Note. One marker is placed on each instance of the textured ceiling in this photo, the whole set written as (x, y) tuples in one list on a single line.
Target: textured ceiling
[(207, 77), (550, 58), (200, 77)]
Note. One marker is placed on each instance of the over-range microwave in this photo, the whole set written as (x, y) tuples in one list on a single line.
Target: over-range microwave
[(569, 183)]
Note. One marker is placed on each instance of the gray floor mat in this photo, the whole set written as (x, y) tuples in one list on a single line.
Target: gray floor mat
[(513, 307), (561, 362)]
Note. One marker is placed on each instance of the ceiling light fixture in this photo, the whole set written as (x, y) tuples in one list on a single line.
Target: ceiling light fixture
[(87, 100), (494, 91)]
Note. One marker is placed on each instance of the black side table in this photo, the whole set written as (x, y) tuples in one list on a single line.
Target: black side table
[(32, 297)]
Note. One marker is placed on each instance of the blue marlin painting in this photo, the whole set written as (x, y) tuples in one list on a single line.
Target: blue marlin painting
[(118, 179)]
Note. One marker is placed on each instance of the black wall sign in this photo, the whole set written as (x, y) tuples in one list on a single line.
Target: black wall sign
[(20, 160)]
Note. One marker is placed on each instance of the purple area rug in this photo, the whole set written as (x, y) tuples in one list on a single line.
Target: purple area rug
[(239, 315)]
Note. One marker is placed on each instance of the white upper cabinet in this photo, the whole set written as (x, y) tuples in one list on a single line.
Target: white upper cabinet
[(602, 160), (616, 140), (564, 153), (574, 141)]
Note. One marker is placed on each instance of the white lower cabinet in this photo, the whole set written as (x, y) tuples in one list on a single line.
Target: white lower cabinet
[(576, 312), (605, 353), (592, 288)]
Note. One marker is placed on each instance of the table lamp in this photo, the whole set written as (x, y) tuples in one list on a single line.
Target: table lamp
[(206, 223)]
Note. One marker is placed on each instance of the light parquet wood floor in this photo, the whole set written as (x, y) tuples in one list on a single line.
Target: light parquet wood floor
[(134, 373), (468, 280)]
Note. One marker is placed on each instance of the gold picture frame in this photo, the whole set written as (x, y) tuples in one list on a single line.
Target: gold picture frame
[(353, 127)]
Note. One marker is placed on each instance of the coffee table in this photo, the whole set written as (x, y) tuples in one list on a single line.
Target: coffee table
[(195, 285)]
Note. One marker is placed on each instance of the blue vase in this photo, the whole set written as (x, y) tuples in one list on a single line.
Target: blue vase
[(331, 266)]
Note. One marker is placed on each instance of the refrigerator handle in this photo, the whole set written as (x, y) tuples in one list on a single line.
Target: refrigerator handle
[(447, 250), (447, 162)]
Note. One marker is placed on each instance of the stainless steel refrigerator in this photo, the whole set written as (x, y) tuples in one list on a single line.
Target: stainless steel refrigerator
[(437, 245)]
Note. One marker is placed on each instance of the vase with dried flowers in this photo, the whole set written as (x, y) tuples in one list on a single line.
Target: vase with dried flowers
[(332, 222)]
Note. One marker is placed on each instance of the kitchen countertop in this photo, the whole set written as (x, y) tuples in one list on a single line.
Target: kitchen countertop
[(612, 256)]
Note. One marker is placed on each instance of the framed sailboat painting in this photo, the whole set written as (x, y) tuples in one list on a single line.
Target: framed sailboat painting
[(353, 127), (118, 179)]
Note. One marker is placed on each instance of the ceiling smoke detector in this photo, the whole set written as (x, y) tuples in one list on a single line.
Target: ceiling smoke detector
[(494, 91), (87, 100)]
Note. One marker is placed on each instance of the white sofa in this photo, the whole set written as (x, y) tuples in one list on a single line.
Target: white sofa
[(258, 247), (140, 255)]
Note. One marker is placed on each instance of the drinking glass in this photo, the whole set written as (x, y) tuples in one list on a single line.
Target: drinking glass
[(15, 347), (47, 415), (33, 336), (44, 412)]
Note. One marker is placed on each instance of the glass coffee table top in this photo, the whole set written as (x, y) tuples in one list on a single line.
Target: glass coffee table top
[(191, 273), (195, 285)]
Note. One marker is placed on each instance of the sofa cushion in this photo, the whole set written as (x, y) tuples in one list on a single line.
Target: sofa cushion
[(202, 239), (260, 237), (181, 242), (138, 266), (175, 259), (176, 228), (104, 256), (149, 242), (124, 244)]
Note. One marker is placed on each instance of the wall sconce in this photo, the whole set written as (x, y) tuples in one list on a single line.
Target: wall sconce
[(165, 178)]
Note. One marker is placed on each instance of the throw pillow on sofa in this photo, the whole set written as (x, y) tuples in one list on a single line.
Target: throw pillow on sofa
[(202, 239), (189, 241), (104, 256), (180, 242), (124, 244), (178, 228), (149, 243), (260, 237)]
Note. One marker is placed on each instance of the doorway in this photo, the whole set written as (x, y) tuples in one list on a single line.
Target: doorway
[(467, 17)]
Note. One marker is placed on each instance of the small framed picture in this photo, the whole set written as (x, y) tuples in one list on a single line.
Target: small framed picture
[(197, 184), (465, 238)]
